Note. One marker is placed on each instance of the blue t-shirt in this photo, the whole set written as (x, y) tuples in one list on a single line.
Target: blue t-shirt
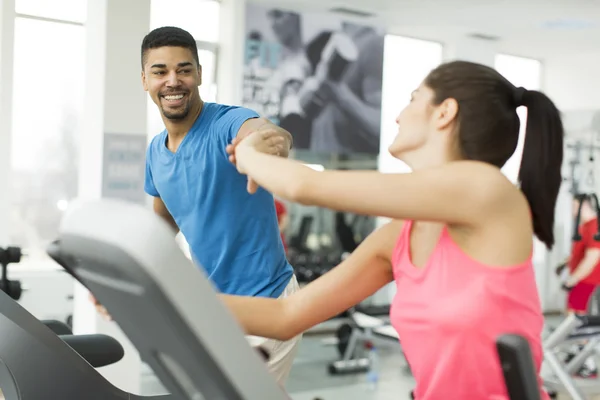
[(232, 234)]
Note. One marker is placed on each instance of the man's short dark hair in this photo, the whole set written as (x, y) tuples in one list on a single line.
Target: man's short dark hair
[(169, 36)]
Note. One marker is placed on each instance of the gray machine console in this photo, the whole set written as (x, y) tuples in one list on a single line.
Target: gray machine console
[(129, 259)]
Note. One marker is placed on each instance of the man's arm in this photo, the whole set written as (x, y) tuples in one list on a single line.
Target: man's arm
[(585, 267), (161, 209)]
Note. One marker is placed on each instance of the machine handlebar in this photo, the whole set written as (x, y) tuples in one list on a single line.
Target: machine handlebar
[(98, 350)]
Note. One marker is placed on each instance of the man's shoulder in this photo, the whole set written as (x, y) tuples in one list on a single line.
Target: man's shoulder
[(226, 120), (220, 111)]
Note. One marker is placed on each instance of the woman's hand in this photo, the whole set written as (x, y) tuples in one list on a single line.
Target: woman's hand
[(267, 141)]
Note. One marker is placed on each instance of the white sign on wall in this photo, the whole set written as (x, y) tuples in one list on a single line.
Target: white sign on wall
[(123, 167)]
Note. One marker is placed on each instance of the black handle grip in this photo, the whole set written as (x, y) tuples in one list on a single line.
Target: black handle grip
[(59, 328), (98, 350), (517, 365)]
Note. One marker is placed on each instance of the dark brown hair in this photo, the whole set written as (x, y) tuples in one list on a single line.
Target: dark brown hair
[(169, 36), (488, 131)]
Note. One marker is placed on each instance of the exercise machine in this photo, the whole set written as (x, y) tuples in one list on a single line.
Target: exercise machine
[(41, 360), (127, 256), (559, 377)]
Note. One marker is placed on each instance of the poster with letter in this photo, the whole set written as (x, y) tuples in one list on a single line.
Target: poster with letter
[(316, 75), (124, 167)]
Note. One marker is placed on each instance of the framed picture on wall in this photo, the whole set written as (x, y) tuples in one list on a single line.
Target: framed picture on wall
[(316, 75)]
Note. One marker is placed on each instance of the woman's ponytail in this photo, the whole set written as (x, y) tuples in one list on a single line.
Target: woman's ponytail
[(540, 173)]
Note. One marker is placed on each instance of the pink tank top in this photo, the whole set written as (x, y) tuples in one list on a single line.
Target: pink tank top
[(450, 312)]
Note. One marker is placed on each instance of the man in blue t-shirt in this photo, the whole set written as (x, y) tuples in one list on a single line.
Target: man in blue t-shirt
[(229, 223)]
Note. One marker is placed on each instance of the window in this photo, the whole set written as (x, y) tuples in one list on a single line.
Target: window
[(525, 72), (208, 61), (406, 62), (198, 17), (66, 10), (47, 110)]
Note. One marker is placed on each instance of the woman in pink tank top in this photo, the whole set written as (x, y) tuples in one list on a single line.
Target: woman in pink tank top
[(460, 241)]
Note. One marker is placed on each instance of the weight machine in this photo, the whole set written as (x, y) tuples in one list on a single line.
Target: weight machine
[(10, 255)]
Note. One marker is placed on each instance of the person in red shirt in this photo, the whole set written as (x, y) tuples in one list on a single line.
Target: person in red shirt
[(283, 219), (584, 271)]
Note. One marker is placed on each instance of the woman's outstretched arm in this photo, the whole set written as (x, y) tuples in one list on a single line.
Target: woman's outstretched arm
[(359, 276), (461, 192)]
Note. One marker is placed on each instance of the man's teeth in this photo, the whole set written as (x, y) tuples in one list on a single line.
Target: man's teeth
[(174, 97)]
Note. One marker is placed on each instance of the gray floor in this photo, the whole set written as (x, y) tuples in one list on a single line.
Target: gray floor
[(310, 379)]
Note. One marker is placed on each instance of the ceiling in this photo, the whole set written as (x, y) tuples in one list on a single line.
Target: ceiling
[(532, 28)]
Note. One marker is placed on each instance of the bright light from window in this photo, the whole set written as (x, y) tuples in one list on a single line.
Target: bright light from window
[(62, 205), (406, 63), (316, 167), (525, 72), (45, 130), (67, 10), (198, 17), (41, 117)]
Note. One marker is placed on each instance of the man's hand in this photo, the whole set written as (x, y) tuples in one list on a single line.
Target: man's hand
[(100, 308), (266, 138), (266, 141)]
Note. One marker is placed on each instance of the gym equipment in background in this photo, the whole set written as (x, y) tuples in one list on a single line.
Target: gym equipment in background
[(353, 337), (559, 377), (125, 254), (309, 265), (10, 255), (593, 199)]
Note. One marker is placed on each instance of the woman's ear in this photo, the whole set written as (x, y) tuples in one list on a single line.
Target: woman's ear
[(446, 113)]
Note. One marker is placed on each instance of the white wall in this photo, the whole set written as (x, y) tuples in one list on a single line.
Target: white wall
[(572, 82), (471, 49), (7, 26)]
